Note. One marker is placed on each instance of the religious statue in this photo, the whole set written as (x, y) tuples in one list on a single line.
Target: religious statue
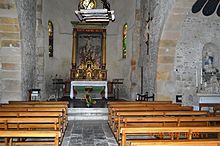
[(208, 62), (210, 70)]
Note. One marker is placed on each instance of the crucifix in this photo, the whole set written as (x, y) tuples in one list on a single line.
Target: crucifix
[(147, 32)]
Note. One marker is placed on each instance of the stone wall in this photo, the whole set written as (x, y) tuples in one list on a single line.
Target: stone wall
[(197, 31), (183, 38), (61, 13), (10, 52), (117, 66), (169, 42)]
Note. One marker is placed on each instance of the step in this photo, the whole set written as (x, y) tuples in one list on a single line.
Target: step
[(87, 113)]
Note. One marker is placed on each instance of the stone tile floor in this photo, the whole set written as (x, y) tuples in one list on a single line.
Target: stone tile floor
[(88, 133)]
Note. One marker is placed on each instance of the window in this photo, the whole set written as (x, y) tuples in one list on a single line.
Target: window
[(50, 34), (124, 48)]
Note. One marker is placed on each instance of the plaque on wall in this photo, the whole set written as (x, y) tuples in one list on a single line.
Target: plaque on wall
[(89, 54)]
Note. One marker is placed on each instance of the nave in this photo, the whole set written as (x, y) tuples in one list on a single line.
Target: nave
[(130, 123)]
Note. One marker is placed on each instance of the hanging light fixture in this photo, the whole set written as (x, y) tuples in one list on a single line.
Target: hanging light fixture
[(87, 12), (208, 7)]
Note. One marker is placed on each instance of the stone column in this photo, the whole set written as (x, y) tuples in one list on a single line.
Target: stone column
[(27, 19), (39, 78)]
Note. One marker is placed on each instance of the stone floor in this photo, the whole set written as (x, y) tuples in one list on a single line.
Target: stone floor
[(88, 133)]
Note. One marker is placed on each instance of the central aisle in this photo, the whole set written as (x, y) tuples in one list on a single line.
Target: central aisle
[(88, 133)]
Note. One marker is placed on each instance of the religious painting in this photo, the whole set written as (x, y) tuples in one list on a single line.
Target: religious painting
[(89, 47), (89, 54)]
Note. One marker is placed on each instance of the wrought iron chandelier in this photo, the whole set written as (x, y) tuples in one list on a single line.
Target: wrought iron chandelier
[(87, 11)]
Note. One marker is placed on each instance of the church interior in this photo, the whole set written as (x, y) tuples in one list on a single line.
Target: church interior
[(111, 59)]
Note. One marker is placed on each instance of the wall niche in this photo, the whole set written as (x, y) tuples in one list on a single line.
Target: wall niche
[(210, 76)]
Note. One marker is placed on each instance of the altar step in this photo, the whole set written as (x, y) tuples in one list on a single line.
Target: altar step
[(87, 114)]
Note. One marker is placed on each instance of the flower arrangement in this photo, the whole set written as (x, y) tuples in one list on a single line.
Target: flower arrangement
[(89, 100)]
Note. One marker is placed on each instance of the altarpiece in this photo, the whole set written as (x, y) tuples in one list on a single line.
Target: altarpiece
[(89, 53)]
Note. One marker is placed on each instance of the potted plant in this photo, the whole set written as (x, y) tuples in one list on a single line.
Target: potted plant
[(89, 101)]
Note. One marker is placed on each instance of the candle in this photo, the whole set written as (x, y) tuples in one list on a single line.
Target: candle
[(196, 79)]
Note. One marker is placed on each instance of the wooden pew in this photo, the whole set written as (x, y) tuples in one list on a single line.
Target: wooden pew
[(39, 102), (31, 114), (142, 109), (131, 102), (188, 131), (31, 123), (176, 143), (216, 110), (134, 104), (165, 122), (36, 124), (138, 104), (212, 105), (111, 105), (34, 105), (35, 114), (121, 115), (10, 134), (34, 109), (38, 109)]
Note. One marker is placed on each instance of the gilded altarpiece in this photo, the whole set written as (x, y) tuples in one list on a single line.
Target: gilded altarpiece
[(89, 54)]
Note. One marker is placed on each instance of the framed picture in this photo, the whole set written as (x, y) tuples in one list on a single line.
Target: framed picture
[(89, 54), (89, 43)]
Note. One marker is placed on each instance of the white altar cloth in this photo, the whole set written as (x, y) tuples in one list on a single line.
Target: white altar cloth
[(88, 83), (209, 98)]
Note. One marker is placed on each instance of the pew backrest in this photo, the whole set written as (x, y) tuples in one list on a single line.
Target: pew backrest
[(199, 142), (34, 105), (56, 134), (39, 102), (19, 123), (152, 130)]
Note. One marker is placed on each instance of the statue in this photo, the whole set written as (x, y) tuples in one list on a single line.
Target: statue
[(208, 62), (210, 65), (106, 5)]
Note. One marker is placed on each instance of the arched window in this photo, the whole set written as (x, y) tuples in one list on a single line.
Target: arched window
[(124, 49), (50, 34)]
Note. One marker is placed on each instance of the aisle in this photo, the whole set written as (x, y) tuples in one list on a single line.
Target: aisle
[(89, 133)]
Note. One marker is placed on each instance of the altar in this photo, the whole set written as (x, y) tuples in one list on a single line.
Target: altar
[(88, 84), (208, 98)]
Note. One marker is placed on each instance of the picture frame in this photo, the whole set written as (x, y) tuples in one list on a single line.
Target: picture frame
[(84, 39)]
